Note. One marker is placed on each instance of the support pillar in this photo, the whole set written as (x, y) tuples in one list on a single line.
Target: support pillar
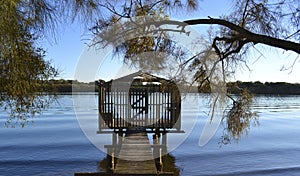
[(157, 153), (109, 159), (164, 143), (113, 150)]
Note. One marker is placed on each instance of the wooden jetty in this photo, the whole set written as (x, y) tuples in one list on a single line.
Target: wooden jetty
[(135, 156), (130, 108)]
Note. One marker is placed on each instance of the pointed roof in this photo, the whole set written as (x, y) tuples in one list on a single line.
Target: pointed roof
[(140, 76)]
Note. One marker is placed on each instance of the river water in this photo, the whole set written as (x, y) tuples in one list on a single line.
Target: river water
[(56, 144)]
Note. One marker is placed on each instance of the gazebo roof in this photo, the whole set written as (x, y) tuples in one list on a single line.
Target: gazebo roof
[(141, 77)]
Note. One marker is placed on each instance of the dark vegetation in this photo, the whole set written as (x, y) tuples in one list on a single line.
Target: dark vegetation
[(275, 88), (279, 88), (62, 85)]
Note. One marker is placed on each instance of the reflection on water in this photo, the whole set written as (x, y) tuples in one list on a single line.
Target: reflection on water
[(168, 165)]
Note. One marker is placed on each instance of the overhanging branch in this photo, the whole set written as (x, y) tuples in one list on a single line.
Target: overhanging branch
[(250, 36)]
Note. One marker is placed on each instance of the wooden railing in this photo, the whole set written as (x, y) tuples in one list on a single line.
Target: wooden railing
[(141, 106)]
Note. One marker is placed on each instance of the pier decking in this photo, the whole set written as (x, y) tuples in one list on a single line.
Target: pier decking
[(135, 156)]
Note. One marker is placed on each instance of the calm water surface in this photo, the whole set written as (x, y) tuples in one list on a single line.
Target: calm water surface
[(56, 145)]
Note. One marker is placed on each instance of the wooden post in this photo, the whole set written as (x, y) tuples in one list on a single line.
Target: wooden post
[(164, 143), (100, 107), (114, 138), (109, 158), (160, 159), (120, 135), (114, 147), (157, 150), (113, 159)]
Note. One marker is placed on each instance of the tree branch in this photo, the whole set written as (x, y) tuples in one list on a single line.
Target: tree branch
[(250, 36)]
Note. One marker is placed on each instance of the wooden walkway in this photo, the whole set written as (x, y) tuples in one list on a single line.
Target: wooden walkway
[(135, 156)]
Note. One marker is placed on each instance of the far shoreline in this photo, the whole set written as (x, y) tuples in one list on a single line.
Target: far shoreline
[(257, 88)]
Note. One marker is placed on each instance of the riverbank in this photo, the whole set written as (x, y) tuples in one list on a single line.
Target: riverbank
[(274, 88)]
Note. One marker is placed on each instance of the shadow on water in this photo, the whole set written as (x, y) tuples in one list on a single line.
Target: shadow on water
[(168, 165)]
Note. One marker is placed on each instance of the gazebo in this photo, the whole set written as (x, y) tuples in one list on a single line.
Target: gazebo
[(139, 100)]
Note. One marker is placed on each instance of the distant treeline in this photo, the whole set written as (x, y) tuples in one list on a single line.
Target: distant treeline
[(279, 88), (71, 85)]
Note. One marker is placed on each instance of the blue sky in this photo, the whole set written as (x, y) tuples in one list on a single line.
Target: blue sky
[(71, 42)]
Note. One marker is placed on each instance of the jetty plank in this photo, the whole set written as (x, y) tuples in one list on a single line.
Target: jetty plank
[(135, 156)]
